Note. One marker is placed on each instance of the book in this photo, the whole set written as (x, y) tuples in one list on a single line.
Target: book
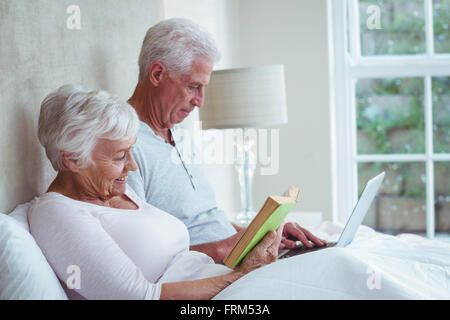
[(270, 216)]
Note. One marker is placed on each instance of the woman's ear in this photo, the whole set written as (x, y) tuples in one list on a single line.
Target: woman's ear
[(69, 162), (156, 73)]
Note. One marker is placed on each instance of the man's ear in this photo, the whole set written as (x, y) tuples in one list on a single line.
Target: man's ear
[(71, 164), (156, 73)]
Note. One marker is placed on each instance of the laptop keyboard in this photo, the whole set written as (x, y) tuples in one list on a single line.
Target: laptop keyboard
[(286, 253)]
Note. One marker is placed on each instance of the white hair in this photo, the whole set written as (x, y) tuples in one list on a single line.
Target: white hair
[(175, 42), (73, 118)]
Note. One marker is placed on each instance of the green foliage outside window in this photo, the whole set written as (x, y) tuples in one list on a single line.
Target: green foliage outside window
[(390, 114), (378, 121)]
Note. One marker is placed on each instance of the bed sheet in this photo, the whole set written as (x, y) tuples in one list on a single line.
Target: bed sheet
[(373, 266)]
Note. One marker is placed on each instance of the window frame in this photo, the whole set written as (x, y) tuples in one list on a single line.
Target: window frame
[(346, 66)]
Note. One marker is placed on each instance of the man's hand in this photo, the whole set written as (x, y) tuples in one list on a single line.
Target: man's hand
[(293, 232)]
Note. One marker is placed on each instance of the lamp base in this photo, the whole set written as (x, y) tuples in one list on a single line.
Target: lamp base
[(245, 165), (244, 218)]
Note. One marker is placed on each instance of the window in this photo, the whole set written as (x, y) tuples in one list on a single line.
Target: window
[(390, 81)]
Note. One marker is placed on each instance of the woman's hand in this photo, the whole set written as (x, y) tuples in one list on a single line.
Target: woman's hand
[(264, 253)]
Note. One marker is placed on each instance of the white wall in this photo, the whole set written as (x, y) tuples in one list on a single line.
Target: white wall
[(294, 33)]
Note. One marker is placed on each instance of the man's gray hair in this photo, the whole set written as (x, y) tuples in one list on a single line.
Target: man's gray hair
[(175, 42), (73, 118)]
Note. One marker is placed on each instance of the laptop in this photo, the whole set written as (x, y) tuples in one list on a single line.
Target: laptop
[(353, 223)]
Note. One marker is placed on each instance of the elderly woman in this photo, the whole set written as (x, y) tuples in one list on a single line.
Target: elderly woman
[(90, 221)]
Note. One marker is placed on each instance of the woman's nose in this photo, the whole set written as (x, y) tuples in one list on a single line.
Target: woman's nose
[(131, 164)]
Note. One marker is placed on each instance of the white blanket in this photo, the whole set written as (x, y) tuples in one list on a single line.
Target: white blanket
[(373, 266)]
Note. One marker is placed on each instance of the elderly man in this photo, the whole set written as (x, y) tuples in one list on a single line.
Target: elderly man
[(175, 65)]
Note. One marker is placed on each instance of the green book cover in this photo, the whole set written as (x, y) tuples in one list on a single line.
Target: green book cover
[(272, 223)]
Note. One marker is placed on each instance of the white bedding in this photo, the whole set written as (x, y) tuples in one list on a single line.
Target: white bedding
[(373, 266)]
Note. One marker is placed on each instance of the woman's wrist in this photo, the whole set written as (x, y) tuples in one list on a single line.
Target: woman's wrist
[(236, 274)]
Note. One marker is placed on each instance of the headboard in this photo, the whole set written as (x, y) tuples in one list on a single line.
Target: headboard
[(45, 44)]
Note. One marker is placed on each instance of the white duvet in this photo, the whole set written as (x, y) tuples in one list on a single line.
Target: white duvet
[(373, 266)]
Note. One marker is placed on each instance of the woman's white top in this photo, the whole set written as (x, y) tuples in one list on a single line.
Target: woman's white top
[(99, 252)]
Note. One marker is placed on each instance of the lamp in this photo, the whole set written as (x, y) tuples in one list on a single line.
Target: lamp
[(245, 98)]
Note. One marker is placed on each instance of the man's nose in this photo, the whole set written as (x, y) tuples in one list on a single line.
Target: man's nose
[(199, 98)]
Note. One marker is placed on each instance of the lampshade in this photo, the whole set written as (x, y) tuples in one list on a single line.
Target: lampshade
[(245, 97)]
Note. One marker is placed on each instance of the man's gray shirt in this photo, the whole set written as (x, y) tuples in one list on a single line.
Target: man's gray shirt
[(163, 181)]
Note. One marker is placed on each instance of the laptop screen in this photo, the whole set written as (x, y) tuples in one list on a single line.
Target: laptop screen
[(360, 210)]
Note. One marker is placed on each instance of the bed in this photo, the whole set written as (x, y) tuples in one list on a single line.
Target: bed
[(373, 266)]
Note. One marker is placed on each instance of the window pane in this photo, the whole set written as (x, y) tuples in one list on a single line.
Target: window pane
[(441, 17), (441, 114), (442, 197), (400, 205), (402, 27), (390, 116)]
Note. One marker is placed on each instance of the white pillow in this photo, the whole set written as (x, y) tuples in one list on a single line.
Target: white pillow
[(24, 272), (20, 214)]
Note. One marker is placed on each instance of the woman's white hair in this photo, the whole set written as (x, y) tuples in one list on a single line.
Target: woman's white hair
[(73, 118), (175, 42)]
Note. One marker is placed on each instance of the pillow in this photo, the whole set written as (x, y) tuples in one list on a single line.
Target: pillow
[(24, 272), (20, 214)]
